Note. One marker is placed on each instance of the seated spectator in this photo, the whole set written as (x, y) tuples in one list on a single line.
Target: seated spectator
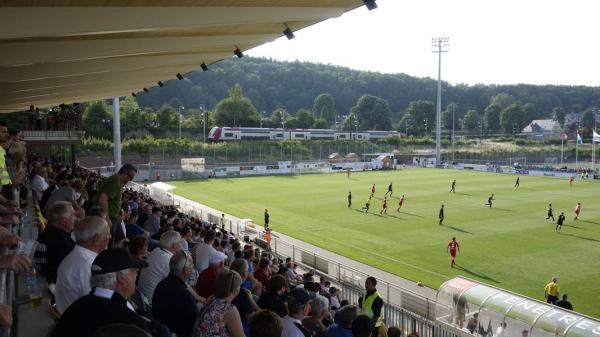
[(244, 301), (219, 317), (152, 224), (263, 271), (55, 241), (274, 299), (202, 251), (206, 280), (172, 303), (314, 323), (158, 263), (292, 275), (396, 332), (138, 248), (344, 318), (362, 326), (113, 280), (39, 183), (292, 323), (144, 215), (471, 323), (92, 235), (265, 323), (132, 228), (68, 191), (334, 295)]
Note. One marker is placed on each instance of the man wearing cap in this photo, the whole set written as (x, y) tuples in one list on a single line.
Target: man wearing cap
[(371, 303), (113, 274), (158, 263), (206, 280), (73, 275), (173, 304), (298, 308)]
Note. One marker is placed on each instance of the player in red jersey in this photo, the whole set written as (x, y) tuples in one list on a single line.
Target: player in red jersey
[(400, 203), (453, 249), (373, 191), (571, 179), (577, 210), (349, 171), (384, 206)]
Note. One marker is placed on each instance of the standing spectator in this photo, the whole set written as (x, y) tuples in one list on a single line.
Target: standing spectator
[(551, 291), (319, 307), (206, 280), (219, 317), (158, 263), (39, 183), (73, 276), (371, 303), (265, 324), (113, 280), (297, 305), (334, 296), (172, 303), (274, 299), (564, 303), (203, 250), (55, 241), (109, 193), (244, 301), (344, 319), (4, 175)]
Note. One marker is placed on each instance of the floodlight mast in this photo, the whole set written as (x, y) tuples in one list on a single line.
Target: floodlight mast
[(439, 46)]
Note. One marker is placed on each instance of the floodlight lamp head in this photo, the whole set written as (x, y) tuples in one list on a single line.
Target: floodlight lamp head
[(146, 90), (370, 4), (288, 33), (204, 66), (179, 76), (238, 53), (160, 84)]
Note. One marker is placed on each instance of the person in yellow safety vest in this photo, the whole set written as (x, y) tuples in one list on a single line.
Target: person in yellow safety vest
[(4, 175), (371, 304)]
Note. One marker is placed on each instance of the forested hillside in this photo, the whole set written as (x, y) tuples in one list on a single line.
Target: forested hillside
[(295, 85)]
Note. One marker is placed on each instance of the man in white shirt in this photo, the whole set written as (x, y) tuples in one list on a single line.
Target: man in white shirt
[(158, 263), (39, 183), (92, 235), (297, 306), (203, 250)]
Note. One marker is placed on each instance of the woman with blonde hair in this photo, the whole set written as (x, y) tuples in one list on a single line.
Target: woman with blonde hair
[(219, 318)]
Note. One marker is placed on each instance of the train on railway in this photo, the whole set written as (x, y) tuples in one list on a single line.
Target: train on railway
[(218, 134)]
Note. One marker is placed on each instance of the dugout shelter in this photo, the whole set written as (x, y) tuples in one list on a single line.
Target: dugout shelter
[(506, 314)]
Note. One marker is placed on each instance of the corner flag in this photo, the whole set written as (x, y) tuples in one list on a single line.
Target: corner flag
[(596, 137), (579, 140)]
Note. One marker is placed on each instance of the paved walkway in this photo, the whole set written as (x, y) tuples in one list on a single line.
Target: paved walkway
[(380, 275)]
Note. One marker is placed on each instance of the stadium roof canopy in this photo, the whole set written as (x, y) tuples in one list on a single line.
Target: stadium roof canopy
[(55, 51)]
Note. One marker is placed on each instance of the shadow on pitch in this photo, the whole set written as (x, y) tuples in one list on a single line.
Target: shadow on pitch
[(397, 217), (475, 273), (467, 194), (458, 229), (572, 226), (503, 209), (580, 237), (412, 214), (588, 221), (361, 211)]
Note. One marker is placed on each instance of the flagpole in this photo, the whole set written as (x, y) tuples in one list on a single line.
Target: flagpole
[(562, 148), (576, 150)]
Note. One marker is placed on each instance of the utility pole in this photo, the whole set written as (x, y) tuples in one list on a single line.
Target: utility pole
[(439, 45), (179, 108), (203, 116), (453, 108)]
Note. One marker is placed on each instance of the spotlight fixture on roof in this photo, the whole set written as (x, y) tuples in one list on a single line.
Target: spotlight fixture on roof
[(370, 4), (145, 89), (204, 66), (179, 76), (238, 53), (133, 94), (160, 84), (288, 33)]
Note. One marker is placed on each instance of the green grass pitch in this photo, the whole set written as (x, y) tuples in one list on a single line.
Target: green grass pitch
[(511, 245)]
